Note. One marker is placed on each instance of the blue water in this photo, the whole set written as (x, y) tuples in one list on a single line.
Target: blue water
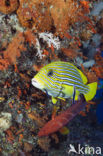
[(99, 97)]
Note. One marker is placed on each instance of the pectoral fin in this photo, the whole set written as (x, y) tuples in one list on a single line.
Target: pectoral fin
[(54, 100), (68, 90), (70, 93), (77, 94)]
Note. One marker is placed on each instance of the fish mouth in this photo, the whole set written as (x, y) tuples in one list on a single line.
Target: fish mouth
[(36, 84)]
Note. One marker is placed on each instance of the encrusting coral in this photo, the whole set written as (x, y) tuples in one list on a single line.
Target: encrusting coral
[(14, 49), (66, 14), (17, 45), (4, 63), (8, 6), (35, 14), (40, 15), (98, 67)]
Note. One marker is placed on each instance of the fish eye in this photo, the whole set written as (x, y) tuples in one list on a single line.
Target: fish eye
[(50, 73)]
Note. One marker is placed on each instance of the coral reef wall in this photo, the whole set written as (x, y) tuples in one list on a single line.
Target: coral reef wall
[(34, 33)]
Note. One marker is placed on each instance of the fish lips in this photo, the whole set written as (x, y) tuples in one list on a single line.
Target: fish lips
[(36, 84)]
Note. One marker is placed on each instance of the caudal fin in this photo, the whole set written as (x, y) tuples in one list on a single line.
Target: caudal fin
[(92, 91)]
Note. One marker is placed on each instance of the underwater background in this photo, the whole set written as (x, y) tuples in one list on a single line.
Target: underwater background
[(33, 34)]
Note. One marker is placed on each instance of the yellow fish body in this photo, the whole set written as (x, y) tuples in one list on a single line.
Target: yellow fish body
[(60, 80)]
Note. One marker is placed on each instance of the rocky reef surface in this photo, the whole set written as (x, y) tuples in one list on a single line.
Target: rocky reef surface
[(33, 34)]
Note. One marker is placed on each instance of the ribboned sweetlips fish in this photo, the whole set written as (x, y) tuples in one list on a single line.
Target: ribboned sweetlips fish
[(64, 80)]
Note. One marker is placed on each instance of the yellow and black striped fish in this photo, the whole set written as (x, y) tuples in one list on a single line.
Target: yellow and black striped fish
[(63, 80)]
